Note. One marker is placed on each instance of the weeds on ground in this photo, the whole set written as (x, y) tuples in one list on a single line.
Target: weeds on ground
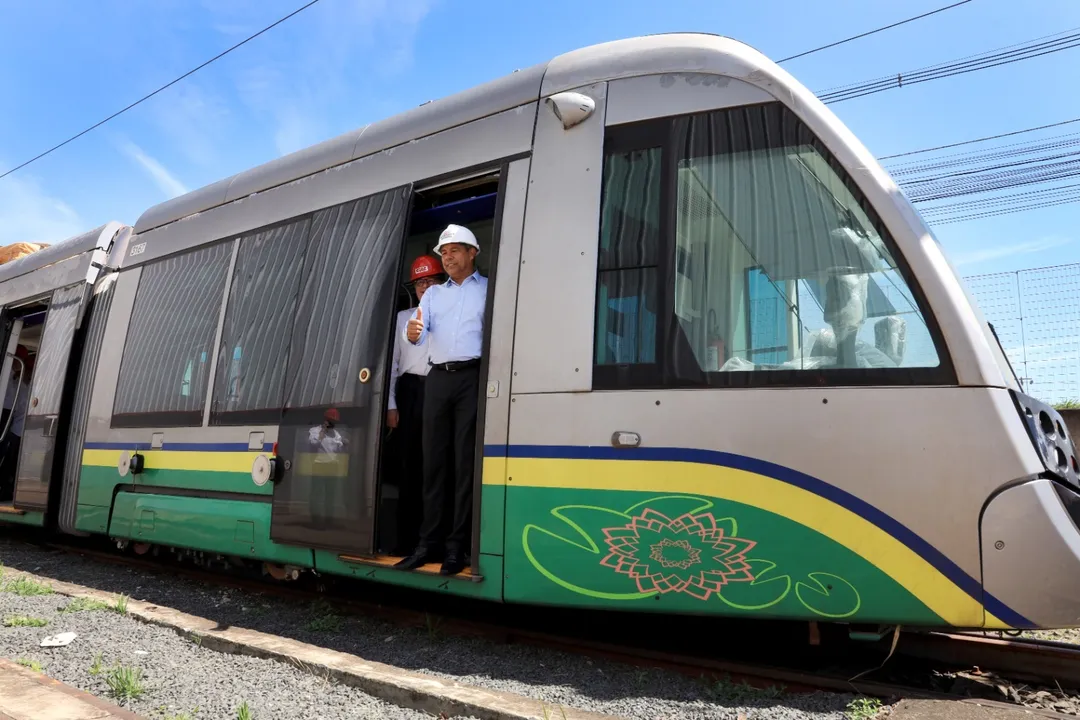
[(24, 621), (26, 586), (1070, 404), (32, 664), (324, 619), (121, 605), (244, 712), (182, 716), (125, 682), (724, 690), (863, 708), (547, 712), (433, 624), (85, 604), (95, 669)]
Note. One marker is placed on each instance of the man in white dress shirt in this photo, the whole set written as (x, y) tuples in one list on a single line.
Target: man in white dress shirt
[(406, 409), (450, 322)]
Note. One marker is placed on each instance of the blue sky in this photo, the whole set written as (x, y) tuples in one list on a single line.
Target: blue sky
[(343, 63)]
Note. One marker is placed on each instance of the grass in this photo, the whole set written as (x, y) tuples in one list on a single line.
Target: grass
[(324, 620), (125, 682), (26, 586), (85, 604), (24, 621), (547, 713), (741, 693), (95, 669), (32, 664), (244, 712), (121, 605), (1067, 405), (182, 716), (863, 708)]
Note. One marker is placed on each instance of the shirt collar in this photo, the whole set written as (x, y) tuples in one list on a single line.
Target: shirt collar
[(475, 277)]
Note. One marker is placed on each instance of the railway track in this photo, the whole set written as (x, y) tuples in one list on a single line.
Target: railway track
[(997, 671)]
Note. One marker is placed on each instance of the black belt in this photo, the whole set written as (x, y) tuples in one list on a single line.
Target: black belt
[(455, 366)]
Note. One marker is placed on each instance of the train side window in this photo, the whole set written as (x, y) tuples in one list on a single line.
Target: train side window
[(785, 268), (629, 255), (249, 385), (736, 251), (165, 366)]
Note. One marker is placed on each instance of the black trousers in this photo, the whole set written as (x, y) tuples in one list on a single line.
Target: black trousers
[(410, 449), (449, 451)]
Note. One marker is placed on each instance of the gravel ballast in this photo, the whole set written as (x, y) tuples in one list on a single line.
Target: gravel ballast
[(181, 675)]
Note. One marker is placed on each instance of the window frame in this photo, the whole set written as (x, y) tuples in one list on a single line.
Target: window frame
[(257, 416), (676, 365), (170, 418)]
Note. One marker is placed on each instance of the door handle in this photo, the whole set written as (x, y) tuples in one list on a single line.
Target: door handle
[(625, 439)]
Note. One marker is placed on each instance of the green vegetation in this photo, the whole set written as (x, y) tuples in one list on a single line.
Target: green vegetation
[(95, 669), (547, 713), (726, 691), (85, 604), (121, 605), (32, 664), (244, 712), (26, 586), (24, 621), (324, 618), (863, 708), (125, 682), (1067, 405)]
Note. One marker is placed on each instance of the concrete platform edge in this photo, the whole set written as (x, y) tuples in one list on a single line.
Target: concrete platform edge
[(401, 687), (104, 710)]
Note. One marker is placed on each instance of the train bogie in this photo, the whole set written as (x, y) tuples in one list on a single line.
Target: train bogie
[(726, 368)]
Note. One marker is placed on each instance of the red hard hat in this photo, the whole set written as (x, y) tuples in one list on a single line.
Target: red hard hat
[(425, 266), (332, 415)]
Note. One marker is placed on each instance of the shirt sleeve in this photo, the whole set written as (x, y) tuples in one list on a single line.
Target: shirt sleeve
[(395, 368)]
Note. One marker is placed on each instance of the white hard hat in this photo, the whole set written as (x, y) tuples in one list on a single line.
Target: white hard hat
[(457, 234)]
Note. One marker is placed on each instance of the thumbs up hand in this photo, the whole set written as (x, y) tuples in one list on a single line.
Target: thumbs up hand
[(416, 326)]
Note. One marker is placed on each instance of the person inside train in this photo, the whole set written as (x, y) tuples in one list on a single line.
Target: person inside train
[(405, 412), (16, 402), (450, 320)]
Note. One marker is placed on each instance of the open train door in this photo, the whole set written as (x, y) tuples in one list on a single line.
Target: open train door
[(331, 425), (36, 451)]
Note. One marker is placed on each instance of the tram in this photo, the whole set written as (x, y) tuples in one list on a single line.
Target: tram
[(727, 369)]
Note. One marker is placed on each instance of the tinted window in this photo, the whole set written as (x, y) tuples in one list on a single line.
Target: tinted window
[(784, 269), (166, 363), (50, 368), (258, 323), (735, 250), (629, 251), (342, 294)]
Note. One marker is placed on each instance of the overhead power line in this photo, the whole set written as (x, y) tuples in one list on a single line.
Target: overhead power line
[(1002, 56), (872, 32), (163, 87), (979, 140)]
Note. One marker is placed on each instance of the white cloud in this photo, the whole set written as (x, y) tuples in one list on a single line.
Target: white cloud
[(161, 176), (1002, 251), (322, 61), (32, 215)]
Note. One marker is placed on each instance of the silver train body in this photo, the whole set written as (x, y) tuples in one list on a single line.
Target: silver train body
[(703, 287)]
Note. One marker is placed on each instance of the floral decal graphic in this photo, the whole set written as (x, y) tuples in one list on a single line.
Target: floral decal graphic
[(689, 554)]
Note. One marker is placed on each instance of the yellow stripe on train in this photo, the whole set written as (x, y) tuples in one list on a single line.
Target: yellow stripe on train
[(178, 460), (859, 535)]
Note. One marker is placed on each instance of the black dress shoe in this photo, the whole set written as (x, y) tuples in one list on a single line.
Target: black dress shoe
[(418, 558), (453, 564)]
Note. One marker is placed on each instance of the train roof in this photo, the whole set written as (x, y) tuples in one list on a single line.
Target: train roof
[(672, 52), (100, 238)]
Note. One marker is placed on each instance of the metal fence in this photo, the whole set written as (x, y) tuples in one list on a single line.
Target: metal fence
[(1036, 314)]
